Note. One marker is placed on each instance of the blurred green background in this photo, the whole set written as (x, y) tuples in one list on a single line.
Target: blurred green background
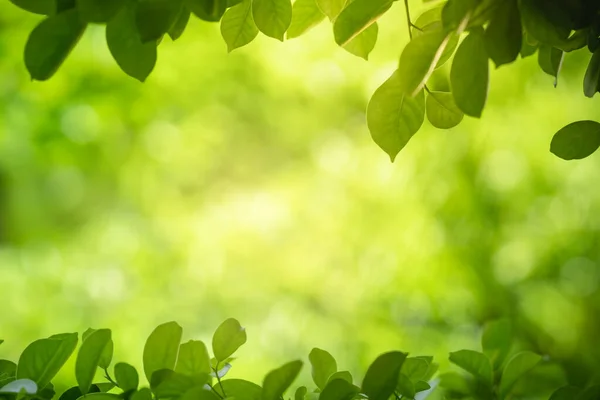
[(247, 185)]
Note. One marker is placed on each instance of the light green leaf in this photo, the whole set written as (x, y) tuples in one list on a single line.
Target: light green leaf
[(89, 356), (331, 8), (305, 15), (239, 389), (469, 75), (193, 358), (363, 43), (496, 341), (577, 140), (207, 10), (199, 393), (238, 27), (142, 394), (98, 11), (356, 17), (107, 354), (161, 348), (382, 376), (345, 375), (591, 81), (20, 386), (279, 380), (516, 367), (42, 359), (126, 376), (415, 368), (475, 363), (442, 112), (300, 393), (392, 117), (503, 35), (323, 366), (135, 58), (339, 389), (154, 18), (50, 42), (180, 24), (272, 17), (228, 337)]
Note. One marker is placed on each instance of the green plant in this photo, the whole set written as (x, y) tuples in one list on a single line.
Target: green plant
[(496, 30), (185, 371)]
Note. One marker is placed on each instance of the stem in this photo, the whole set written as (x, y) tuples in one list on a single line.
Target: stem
[(107, 376), (427, 89), (213, 389), (408, 21), (219, 379)]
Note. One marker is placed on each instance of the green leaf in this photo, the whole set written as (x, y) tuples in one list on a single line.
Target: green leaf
[(538, 24), (99, 11), (238, 27), (527, 49), (339, 389), (442, 111), (503, 35), (454, 382), (44, 7), (228, 337), (591, 81), (207, 10), (305, 15), (550, 60), (107, 354), (300, 393), (272, 17), (279, 380), (382, 376), (421, 386), (475, 363), (364, 43), (180, 24), (323, 366), (469, 75), (405, 387), (161, 348), (517, 366), (166, 383), (74, 393), (100, 396), (142, 394), (135, 58), (566, 393), (193, 358), (7, 368), (239, 389), (199, 393), (50, 43), (103, 386), (577, 140), (345, 375), (455, 11), (392, 117), (222, 371), (331, 8), (126, 376), (356, 17), (496, 341), (415, 368), (20, 386), (89, 356), (591, 393), (42, 359), (154, 18)]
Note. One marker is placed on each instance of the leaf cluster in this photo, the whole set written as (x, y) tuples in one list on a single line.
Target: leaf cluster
[(185, 371)]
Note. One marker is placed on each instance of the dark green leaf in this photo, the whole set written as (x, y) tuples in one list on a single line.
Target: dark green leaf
[(99, 11), (591, 393), (496, 341), (42, 359), (393, 118), (405, 387), (207, 10), (161, 348), (455, 11), (538, 22), (142, 394), (566, 393), (228, 337), (100, 396), (300, 393), (238, 27), (503, 35), (442, 113), (323, 366), (469, 76), (279, 380), (356, 17), (89, 356), (421, 386), (44, 7), (180, 24), (382, 376), (520, 363), (7, 368), (239, 389), (577, 140), (74, 393), (199, 393), (193, 358), (272, 17), (345, 375), (591, 81), (126, 376), (154, 18), (550, 61), (475, 363), (455, 383), (527, 49), (103, 386), (167, 384), (135, 58), (339, 389), (305, 15), (50, 43), (415, 368)]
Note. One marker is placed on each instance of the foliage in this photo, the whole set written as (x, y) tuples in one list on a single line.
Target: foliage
[(496, 30), (178, 370)]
